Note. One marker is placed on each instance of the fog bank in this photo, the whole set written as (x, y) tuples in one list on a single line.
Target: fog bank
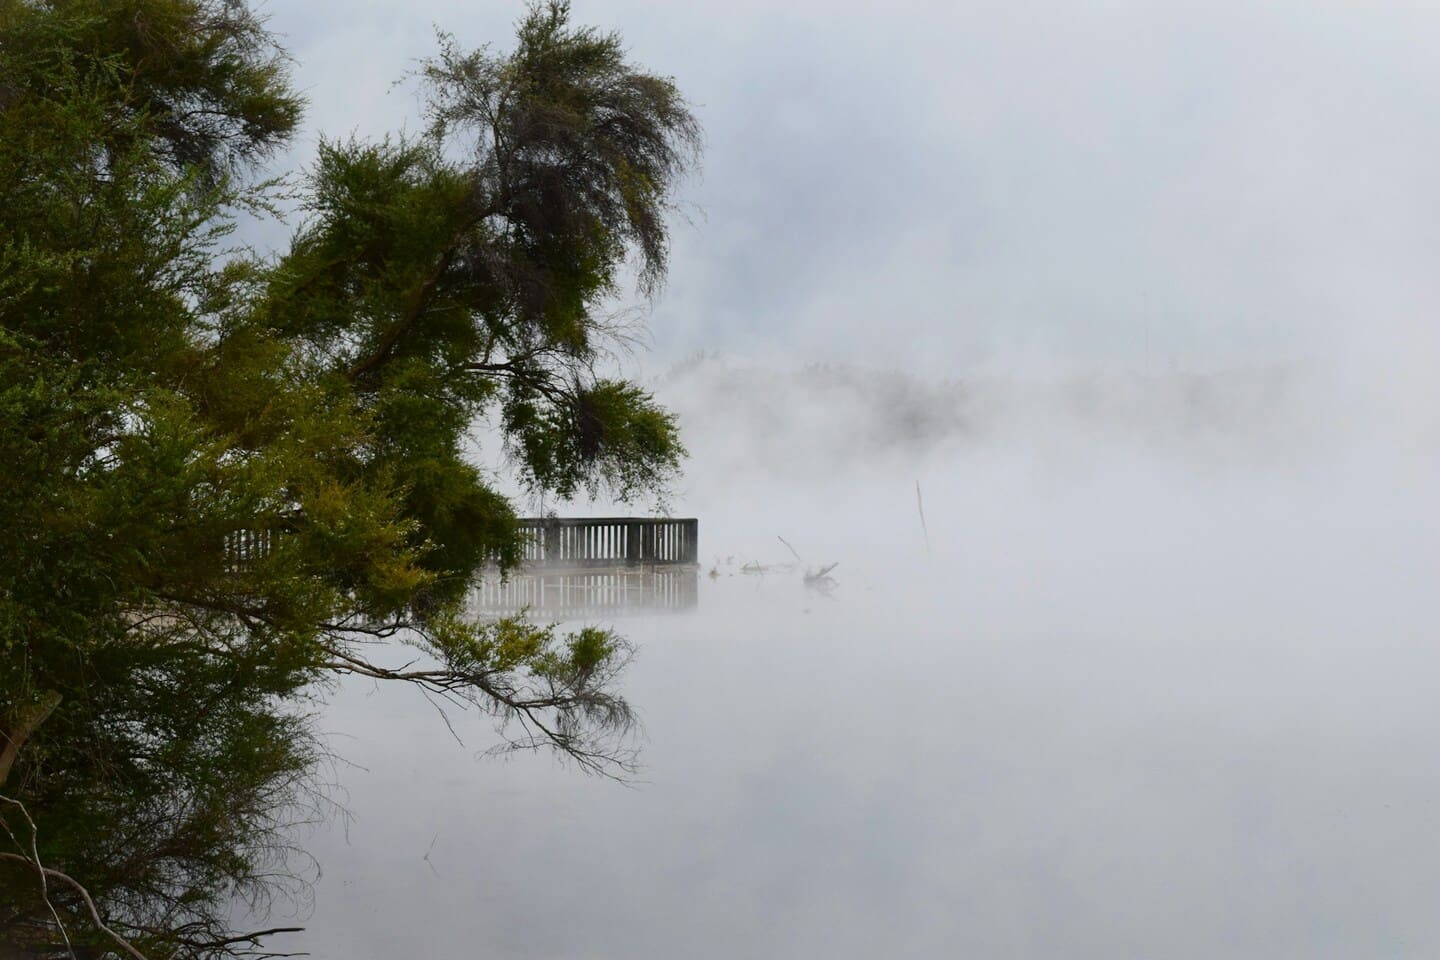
[(1160, 685)]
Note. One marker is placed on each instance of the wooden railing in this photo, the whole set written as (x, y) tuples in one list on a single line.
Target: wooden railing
[(243, 548), (550, 542), (610, 541)]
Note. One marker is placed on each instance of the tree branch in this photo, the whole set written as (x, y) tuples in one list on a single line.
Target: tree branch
[(511, 703), (417, 306), (422, 298), (26, 722), (84, 895)]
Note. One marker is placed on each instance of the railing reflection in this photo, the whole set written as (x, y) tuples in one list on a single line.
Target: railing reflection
[(610, 591)]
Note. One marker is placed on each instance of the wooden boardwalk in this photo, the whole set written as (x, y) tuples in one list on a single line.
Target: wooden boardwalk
[(572, 567), (606, 566), (555, 543), (551, 542)]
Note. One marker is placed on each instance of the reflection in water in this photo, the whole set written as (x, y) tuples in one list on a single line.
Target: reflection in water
[(607, 591)]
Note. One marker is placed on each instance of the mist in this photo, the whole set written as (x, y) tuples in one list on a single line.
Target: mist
[(1095, 349), (1159, 684)]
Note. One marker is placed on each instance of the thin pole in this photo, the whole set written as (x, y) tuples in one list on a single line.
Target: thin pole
[(920, 505)]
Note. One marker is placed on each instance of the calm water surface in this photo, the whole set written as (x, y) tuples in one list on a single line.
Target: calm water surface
[(1141, 712)]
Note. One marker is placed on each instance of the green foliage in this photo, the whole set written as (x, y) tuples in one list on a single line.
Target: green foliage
[(611, 434), (165, 406), (195, 84)]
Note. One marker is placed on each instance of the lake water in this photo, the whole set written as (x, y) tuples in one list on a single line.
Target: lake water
[(1131, 705)]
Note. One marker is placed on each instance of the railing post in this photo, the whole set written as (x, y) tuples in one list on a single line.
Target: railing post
[(632, 543), (552, 541), (692, 541)]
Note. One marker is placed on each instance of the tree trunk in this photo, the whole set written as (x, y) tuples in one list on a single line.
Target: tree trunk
[(25, 722)]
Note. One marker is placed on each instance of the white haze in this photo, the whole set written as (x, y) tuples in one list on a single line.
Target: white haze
[(1162, 686), (1142, 297)]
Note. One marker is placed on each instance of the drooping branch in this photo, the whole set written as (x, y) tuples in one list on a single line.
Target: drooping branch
[(228, 943), (546, 712)]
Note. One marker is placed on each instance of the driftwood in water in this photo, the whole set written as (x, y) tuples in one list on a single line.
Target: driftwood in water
[(821, 579)]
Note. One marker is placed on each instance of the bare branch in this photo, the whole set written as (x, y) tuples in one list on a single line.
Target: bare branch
[(95, 917)]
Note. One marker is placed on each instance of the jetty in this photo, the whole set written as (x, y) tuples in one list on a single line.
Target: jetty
[(556, 543), (597, 566)]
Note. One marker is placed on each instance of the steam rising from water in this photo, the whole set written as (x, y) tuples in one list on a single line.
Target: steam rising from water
[(1162, 687)]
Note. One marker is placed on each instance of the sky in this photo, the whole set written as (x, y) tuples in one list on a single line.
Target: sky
[(947, 188)]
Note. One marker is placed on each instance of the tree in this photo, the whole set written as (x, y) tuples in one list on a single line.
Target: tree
[(166, 404)]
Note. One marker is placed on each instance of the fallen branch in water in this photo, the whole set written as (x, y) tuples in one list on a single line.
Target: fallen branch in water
[(790, 548), (821, 579)]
